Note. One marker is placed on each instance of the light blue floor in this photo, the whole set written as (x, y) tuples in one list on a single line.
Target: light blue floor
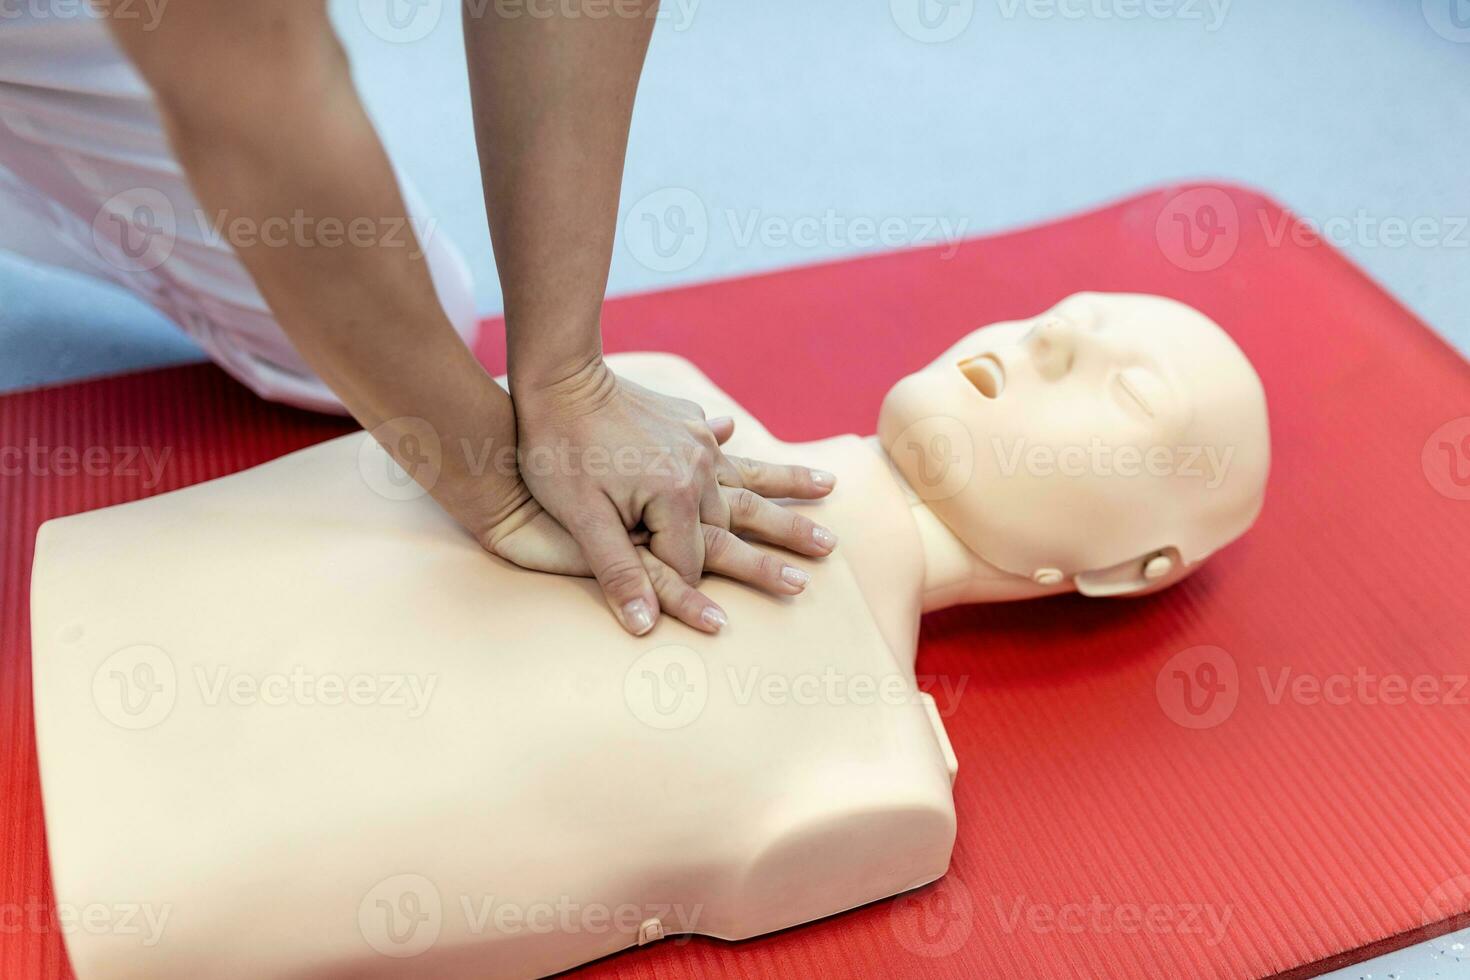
[(773, 118), (792, 127), (1447, 958)]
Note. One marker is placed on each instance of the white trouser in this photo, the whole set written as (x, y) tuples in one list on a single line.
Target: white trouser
[(84, 162)]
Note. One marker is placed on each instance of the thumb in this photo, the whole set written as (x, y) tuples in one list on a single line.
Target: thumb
[(722, 428), (618, 569)]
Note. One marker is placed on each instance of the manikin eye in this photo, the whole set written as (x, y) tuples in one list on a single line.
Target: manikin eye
[(986, 374), (1140, 390)]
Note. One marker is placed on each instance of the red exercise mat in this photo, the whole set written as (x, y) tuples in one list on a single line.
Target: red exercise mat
[(1262, 770)]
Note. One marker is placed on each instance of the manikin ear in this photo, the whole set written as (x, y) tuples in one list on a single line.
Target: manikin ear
[(1157, 568)]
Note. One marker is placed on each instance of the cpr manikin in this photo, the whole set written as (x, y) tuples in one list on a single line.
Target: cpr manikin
[(316, 732)]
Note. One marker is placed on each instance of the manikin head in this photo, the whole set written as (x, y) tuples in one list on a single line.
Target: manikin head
[(1114, 442)]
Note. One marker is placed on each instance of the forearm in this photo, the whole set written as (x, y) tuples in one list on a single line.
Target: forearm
[(365, 317), (291, 172), (553, 98)]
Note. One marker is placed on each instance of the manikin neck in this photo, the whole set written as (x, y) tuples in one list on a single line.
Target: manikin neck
[(953, 574)]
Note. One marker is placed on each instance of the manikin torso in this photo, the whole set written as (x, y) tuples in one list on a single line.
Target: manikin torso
[(312, 731)]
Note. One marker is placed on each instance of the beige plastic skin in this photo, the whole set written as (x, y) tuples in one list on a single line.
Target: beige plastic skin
[(518, 786)]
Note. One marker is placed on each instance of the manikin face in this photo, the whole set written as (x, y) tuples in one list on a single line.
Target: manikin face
[(1114, 442)]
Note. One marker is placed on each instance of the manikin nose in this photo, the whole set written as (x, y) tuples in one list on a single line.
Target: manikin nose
[(1052, 345)]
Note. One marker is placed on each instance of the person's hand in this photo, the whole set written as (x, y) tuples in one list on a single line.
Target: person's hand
[(532, 538), (606, 458)]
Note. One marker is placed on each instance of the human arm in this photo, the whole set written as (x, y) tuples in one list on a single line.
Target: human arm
[(259, 104), (553, 97)]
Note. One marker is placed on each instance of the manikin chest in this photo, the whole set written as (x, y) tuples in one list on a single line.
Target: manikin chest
[(315, 730)]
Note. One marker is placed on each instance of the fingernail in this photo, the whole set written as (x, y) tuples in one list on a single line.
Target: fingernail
[(638, 617), (713, 617), (824, 479), (795, 576), (824, 538), (722, 420)]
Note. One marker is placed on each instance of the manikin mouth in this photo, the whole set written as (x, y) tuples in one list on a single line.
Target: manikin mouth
[(986, 373)]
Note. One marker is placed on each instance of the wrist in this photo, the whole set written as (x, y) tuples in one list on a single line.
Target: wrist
[(552, 355), (486, 501), (456, 435), (480, 481), (566, 390)]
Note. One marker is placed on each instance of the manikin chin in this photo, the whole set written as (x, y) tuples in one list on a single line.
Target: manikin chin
[(300, 725)]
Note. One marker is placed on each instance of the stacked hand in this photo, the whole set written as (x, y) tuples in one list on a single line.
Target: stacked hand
[(633, 488)]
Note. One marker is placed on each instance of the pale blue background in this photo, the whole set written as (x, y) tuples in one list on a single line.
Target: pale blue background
[(1446, 958), (772, 114)]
